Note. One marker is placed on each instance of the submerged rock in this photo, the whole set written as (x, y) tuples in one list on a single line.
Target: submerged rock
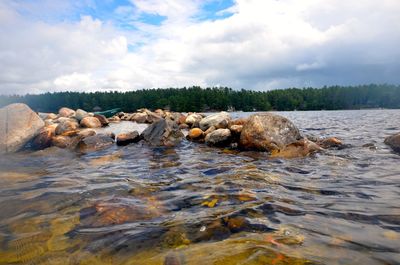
[(91, 122), (94, 143), (330, 142), (301, 148), (394, 142), (18, 125), (268, 132), (163, 133), (219, 120), (128, 138), (66, 112), (220, 137)]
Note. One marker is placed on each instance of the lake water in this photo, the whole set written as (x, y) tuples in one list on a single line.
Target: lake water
[(193, 204)]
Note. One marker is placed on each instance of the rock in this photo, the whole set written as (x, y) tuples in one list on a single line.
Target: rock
[(44, 138), (94, 143), (86, 133), (394, 142), (139, 117), (80, 114), (268, 132), (193, 119), (66, 112), (152, 117), (67, 128), (219, 137), (163, 133), (331, 142), (48, 122), (18, 125), (236, 129), (182, 119), (90, 122), (103, 120), (159, 112), (210, 130), (301, 148), (127, 138), (51, 116), (61, 141), (240, 121), (195, 134), (114, 119), (218, 120), (183, 126)]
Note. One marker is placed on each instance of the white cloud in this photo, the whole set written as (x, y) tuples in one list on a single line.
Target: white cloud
[(264, 44)]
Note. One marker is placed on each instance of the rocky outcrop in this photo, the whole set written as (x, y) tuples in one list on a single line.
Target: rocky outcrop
[(128, 138), (394, 142), (163, 133), (18, 125), (219, 120), (268, 132), (90, 122), (219, 137), (66, 112)]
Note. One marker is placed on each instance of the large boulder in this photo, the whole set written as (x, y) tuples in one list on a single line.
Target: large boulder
[(95, 142), (219, 120), (268, 132), (219, 137), (66, 112), (163, 133), (394, 142), (91, 122), (18, 125)]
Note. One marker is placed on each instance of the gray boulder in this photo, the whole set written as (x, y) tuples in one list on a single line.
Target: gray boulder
[(163, 133), (219, 120), (18, 125)]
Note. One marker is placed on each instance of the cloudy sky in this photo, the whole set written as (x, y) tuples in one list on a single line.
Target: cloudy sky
[(87, 45)]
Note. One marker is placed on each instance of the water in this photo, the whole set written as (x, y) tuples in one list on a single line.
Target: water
[(199, 205)]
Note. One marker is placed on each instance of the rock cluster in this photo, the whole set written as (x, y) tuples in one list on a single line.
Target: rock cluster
[(74, 130)]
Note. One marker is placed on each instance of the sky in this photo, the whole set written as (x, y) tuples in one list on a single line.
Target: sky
[(93, 45)]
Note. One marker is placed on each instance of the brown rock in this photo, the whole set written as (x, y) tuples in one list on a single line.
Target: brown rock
[(268, 132), (103, 120), (195, 133), (86, 133), (182, 119), (66, 112), (18, 125), (51, 116), (90, 122), (193, 119), (61, 141), (183, 126), (236, 129), (44, 138), (128, 138), (330, 143), (241, 121), (210, 130), (139, 117), (67, 128), (394, 142), (114, 119)]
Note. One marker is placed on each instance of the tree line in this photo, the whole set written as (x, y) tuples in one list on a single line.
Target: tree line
[(218, 98)]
